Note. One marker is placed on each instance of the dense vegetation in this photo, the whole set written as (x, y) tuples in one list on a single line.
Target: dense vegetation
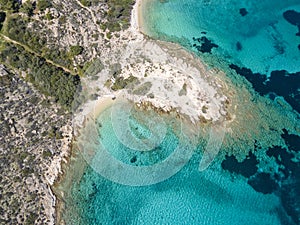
[(16, 29), (2, 19), (49, 79), (28, 8), (118, 15), (43, 4), (75, 50), (86, 2), (9, 5), (121, 83)]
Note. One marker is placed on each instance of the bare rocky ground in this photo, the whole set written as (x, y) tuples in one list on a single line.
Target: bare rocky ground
[(36, 133), (33, 131), (93, 27)]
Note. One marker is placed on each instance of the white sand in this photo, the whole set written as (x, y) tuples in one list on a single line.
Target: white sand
[(167, 68), (170, 72), (178, 80)]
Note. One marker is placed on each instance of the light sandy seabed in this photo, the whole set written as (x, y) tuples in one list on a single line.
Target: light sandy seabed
[(178, 81), (172, 79)]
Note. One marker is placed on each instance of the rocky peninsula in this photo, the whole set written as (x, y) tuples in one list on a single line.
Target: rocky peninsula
[(72, 54)]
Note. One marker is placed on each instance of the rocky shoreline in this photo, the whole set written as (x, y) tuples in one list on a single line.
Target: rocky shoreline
[(152, 72), (177, 65), (36, 132), (35, 144)]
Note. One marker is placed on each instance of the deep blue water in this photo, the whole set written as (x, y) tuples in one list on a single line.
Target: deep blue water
[(189, 197), (258, 40), (213, 196), (253, 34)]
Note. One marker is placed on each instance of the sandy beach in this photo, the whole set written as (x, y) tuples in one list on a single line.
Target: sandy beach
[(180, 71), (137, 23), (169, 78), (178, 80)]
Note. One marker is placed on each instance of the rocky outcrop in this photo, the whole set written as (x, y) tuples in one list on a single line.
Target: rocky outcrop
[(34, 133)]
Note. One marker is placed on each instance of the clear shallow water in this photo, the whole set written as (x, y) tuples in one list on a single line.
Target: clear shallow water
[(229, 192), (213, 196), (259, 40), (188, 197), (252, 34), (128, 155)]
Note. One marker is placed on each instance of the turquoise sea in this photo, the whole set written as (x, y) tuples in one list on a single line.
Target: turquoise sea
[(258, 41), (252, 34)]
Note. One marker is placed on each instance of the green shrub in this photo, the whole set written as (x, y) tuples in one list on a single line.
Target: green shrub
[(27, 171), (9, 5), (48, 16), (58, 56), (16, 29), (46, 154), (76, 50), (118, 15), (86, 2), (49, 79), (42, 5), (31, 218), (91, 69), (27, 8), (121, 83)]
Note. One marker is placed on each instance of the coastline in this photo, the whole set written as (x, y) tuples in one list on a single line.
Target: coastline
[(136, 18), (72, 166), (137, 25), (135, 30), (60, 176), (136, 33), (161, 57)]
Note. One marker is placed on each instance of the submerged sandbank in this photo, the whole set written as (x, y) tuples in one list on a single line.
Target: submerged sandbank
[(75, 165), (250, 117)]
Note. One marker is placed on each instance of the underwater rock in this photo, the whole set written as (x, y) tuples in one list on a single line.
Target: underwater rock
[(279, 77), (239, 46), (243, 11), (133, 159), (246, 168), (263, 182), (290, 198), (274, 83), (291, 140), (293, 18), (205, 46), (284, 158), (256, 79)]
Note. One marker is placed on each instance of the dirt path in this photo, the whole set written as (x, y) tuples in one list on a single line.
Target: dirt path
[(37, 54)]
